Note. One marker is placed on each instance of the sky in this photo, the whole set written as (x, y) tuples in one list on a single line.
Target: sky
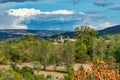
[(58, 14)]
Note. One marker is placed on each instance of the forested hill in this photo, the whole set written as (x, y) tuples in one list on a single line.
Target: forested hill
[(13, 33), (110, 30)]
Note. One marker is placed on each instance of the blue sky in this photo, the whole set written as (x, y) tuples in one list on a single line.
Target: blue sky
[(58, 14)]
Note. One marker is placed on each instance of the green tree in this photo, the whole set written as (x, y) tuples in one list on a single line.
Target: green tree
[(68, 53), (42, 52), (99, 48), (84, 41), (117, 51)]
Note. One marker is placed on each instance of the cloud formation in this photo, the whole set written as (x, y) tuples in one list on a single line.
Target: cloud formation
[(20, 18), (5, 1), (25, 18), (10, 22), (25, 12)]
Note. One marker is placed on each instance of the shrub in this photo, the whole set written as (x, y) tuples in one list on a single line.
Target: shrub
[(14, 67), (27, 70), (28, 76), (3, 59), (39, 77), (36, 65), (10, 75), (48, 76), (70, 75)]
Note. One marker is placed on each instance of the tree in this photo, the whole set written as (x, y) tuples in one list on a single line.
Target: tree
[(117, 51), (81, 55), (99, 48), (68, 53), (41, 52), (84, 41)]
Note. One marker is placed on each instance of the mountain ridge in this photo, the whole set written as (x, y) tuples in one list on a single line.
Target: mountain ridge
[(13, 33)]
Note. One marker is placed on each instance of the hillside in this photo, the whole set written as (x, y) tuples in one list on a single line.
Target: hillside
[(110, 30), (13, 33)]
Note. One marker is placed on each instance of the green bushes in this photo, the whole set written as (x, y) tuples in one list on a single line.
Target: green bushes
[(39, 77), (70, 75), (28, 76), (36, 65), (27, 70), (3, 59), (23, 74), (10, 75)]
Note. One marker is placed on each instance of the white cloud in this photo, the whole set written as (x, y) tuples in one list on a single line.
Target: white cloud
[(13, 18), (25, 12), (106, 24), (17, 24), (64, 19), (9, 22), (59, 12)]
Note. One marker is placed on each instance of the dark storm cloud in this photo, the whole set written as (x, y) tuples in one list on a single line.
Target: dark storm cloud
[(5, 1), (115, 8)]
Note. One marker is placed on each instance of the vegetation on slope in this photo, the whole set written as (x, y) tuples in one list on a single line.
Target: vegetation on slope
[(87, 48)]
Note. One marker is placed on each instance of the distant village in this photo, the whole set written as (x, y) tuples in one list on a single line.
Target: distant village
[(62, 40)]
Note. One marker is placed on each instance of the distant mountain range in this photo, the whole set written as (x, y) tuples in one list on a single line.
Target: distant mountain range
[(13, 33), (109, 30)]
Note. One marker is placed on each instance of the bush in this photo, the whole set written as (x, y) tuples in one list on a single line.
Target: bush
[(10, 75), (36, 65), (14, 67), (28, 73), (83, 58), (3, 59), (28, 76), (70, 75), (48, 76), (39, 77), (26, 69)]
